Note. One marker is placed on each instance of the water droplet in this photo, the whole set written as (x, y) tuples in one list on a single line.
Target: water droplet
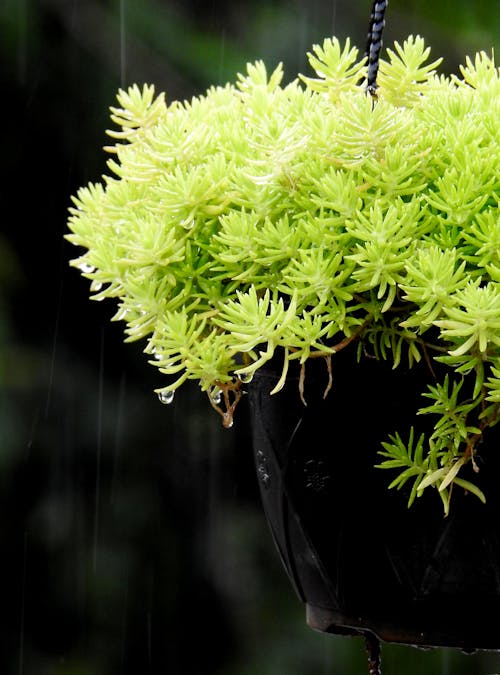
[(85, 268), (96, 286), (216, 395), (154, 353), (263, 470), (166, 396), (188, 223), (227, 420), (264, 477), (246, 378)]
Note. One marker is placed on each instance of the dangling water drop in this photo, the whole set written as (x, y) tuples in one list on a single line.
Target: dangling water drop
[(245, 378), (166, 397), (227, 420), (216, 395)]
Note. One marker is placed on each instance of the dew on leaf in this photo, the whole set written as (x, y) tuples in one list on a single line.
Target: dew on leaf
[(85, 268)]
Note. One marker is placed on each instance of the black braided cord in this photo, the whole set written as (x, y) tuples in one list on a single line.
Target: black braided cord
[(374, 42)]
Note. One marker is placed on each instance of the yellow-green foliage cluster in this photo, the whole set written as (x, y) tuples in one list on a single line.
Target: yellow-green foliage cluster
[(306, 216)]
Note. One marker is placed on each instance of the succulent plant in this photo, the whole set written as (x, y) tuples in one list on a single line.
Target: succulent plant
[(307, 218)]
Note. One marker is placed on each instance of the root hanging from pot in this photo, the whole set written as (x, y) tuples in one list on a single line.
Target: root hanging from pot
[(302, 376)]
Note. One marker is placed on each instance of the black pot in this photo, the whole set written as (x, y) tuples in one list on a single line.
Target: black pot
[(355, 554)]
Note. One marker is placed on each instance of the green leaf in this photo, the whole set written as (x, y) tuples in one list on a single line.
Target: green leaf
[(433, 478)]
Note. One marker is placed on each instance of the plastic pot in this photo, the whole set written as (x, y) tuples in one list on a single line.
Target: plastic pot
[(356, 555)]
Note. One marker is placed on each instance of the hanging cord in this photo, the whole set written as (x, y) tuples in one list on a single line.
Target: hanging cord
[(374, 654), (374, 43)]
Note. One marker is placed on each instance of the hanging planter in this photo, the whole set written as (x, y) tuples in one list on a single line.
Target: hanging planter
[(332, 248), (358, 558)]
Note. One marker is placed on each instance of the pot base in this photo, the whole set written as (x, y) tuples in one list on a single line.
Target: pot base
[(328, 621)]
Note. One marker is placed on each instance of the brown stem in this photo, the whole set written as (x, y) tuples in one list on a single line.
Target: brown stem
[(470, 450), (227, 414), (347, 340), (428, 360)]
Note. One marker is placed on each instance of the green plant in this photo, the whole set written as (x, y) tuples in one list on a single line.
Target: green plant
[(312, 217)]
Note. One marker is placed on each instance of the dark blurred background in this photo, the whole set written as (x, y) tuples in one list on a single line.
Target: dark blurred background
[(131, 535)]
